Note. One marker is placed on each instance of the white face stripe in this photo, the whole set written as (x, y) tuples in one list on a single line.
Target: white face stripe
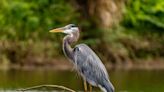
[(74, 28), (70, 31)]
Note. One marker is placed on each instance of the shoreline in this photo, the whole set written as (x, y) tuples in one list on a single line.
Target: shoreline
[(65, 65)]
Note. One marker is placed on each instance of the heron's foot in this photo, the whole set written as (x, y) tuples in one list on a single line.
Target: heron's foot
[(90, 88), (85, 86)]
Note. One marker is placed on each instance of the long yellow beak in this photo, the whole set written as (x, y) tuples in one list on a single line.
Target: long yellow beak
[(56, 30)]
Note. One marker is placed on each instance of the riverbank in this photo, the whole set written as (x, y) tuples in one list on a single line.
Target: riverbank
[(64, 64), (124, 50)]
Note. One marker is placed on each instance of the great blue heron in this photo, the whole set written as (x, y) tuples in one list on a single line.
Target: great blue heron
[(86, 62)]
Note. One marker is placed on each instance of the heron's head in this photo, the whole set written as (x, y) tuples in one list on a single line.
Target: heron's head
[(68, 29)]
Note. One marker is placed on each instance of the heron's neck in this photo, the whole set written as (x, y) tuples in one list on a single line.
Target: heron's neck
[(68, 40)]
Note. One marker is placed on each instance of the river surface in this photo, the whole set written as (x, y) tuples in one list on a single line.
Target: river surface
[(123, 80)]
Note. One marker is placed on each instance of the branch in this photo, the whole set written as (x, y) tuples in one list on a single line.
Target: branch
[(53, 86)]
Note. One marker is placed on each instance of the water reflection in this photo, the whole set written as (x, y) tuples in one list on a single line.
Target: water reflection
[(124, 81)]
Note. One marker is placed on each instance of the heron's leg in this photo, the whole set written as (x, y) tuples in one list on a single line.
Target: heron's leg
[(90, 88), (85, 86)]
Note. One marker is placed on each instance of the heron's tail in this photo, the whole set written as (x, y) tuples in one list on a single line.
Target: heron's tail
[(107, 86)]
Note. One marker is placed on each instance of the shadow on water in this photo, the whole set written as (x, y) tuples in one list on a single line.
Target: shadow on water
[(124, 81)]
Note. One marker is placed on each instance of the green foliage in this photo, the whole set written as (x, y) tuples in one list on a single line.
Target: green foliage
[(144, 13), (24, 26), (23, 19)]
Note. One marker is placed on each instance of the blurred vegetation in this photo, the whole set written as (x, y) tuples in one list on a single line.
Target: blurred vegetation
[(24, 35), (140, 35), (24, 19), (143, 13)]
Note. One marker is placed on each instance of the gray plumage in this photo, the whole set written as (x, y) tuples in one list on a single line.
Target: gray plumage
[(91, 68), (86, 62)]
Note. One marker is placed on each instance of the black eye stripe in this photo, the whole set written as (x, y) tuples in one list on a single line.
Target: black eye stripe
[(73, 26)]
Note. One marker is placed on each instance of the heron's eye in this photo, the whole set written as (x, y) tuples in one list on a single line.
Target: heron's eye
[(72, 25)]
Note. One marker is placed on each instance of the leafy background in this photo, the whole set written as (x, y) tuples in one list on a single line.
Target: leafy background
[(24, 36)]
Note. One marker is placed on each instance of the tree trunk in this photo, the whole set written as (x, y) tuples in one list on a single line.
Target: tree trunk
[(104, 13)]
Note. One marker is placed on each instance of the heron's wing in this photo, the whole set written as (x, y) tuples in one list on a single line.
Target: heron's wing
[(89, 64)]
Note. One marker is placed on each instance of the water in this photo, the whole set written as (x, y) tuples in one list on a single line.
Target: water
[(124, 81)]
